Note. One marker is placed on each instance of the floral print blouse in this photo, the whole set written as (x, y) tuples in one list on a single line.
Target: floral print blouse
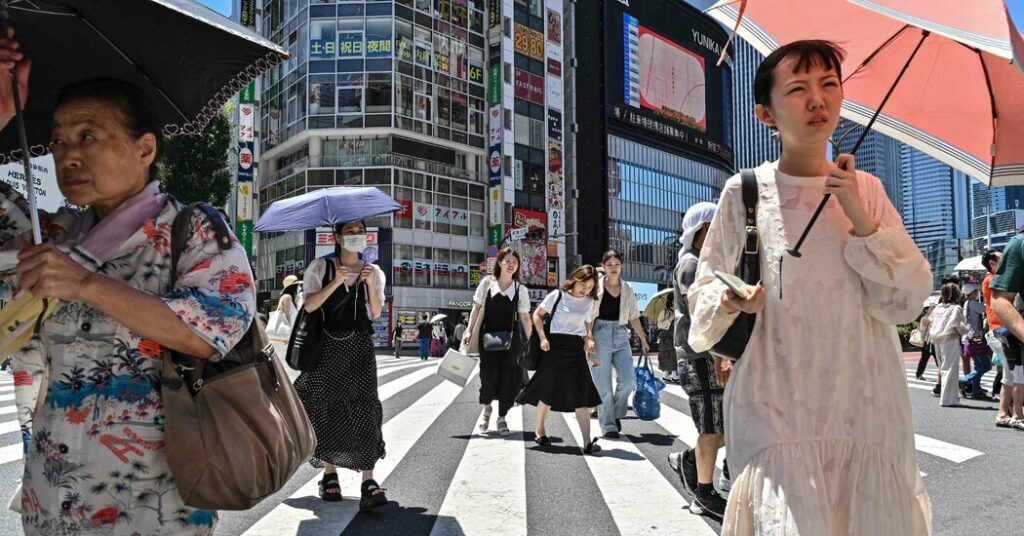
[(94, 461)]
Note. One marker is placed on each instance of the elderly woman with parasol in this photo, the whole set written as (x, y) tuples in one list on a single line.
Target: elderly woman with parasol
[(97, 440)]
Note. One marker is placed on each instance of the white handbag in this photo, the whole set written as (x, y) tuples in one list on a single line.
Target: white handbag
[(456, 367)]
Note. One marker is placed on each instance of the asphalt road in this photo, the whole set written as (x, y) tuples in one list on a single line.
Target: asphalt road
[(445, 478)]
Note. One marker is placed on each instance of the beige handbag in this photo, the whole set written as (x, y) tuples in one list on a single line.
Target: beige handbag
[(235, 429)]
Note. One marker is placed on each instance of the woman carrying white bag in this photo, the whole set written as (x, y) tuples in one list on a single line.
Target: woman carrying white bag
[(281, 320)]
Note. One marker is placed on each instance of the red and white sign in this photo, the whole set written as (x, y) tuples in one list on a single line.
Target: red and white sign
[(245, 158), (246, 122)]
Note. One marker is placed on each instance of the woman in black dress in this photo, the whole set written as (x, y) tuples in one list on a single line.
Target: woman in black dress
[(500, 303), (563, 382), (340, 393)]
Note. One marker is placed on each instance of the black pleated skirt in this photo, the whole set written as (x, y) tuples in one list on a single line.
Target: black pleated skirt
[(562, 379)]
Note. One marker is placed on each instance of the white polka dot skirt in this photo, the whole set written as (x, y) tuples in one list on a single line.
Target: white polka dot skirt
[(340, 397)]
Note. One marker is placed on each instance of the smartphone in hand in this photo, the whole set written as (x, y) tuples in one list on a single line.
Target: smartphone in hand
[(735, 284)]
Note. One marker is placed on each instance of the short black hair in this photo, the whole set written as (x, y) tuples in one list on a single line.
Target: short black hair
[(988, 257), (138, 114), (809, 51)]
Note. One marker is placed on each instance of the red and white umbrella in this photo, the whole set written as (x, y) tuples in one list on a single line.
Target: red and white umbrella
[(943, 76), (961, 98)]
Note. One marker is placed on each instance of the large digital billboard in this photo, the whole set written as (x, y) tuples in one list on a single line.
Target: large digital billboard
[(663, 81)]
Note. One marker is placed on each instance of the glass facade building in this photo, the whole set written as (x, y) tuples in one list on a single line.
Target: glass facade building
[(649, 190), (878, 155), (753, 143)]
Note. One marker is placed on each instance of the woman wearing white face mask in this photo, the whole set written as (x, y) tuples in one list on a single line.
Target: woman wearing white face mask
[(340, 393)]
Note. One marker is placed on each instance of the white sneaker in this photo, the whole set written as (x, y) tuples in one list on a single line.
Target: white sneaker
[(1018, 424), (1004, 422)]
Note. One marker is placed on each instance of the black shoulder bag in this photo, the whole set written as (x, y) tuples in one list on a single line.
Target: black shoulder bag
[(735, 340), (303, 351), (530, 359)]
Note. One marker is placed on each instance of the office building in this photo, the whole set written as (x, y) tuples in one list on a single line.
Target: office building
[(878, 155), (935, 198), (651, 128), (753, 143), (453, 107)]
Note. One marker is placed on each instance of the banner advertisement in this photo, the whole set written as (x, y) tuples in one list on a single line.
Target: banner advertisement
[(474, 276), (247, 122), (247, 13), (529, 87), (494, 85), (554, 125), (533, 248), (494, 14), (494, 165), (554, 26), (245, 162), (494, 206), (243, 231), (495, 236)]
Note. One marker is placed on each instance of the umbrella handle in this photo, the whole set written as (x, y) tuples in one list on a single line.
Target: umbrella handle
[(19, 119)]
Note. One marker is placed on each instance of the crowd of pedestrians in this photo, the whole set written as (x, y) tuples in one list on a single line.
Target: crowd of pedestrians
[(812, 447)]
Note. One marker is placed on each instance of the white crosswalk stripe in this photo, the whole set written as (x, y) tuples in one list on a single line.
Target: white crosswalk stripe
[(400, 434), (495, 504), (625, 483)]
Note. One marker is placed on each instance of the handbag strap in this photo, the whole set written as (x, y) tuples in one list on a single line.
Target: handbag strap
[(751, 259), (551, 313)]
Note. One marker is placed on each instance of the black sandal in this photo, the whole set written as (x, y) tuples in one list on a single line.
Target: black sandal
[(372, 496), (542, 440), (592, 447), (328, 483)]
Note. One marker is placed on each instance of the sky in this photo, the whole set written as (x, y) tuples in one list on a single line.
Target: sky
[(224, 6)]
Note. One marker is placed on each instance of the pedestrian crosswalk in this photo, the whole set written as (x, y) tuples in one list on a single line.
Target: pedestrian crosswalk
[(930, 378), (491, 484)]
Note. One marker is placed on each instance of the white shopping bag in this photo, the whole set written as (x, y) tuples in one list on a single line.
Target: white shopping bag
[(456, 367), (279, 326)]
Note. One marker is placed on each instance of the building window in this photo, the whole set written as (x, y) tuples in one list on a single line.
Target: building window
[(378, 94), (350, 99)]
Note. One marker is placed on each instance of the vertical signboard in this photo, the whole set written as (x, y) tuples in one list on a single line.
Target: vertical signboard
[(555, 186), (246, 145)]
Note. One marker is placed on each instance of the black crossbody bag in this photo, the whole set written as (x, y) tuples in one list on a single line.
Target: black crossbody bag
[(735, 340)]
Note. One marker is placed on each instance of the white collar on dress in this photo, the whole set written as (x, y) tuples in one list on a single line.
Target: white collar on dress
[(495, 289)]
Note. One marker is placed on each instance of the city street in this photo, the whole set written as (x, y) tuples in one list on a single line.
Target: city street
[(446, 479)]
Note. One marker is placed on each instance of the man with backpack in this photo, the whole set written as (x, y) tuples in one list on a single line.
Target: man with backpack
[(702, 378), (1007, 283)]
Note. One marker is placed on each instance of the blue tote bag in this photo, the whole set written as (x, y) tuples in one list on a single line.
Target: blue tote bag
[(646, 398)]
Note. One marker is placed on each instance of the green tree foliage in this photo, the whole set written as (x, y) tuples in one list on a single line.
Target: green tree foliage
[(195, 168)]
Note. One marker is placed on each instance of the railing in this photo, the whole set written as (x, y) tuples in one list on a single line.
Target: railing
[(381, 160)]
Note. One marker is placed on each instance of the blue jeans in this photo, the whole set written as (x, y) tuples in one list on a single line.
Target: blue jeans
[(424, 348), (614, 352), (982, 364)]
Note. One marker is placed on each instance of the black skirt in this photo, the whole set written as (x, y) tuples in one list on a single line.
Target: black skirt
[(563, 379), (340, 397)]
